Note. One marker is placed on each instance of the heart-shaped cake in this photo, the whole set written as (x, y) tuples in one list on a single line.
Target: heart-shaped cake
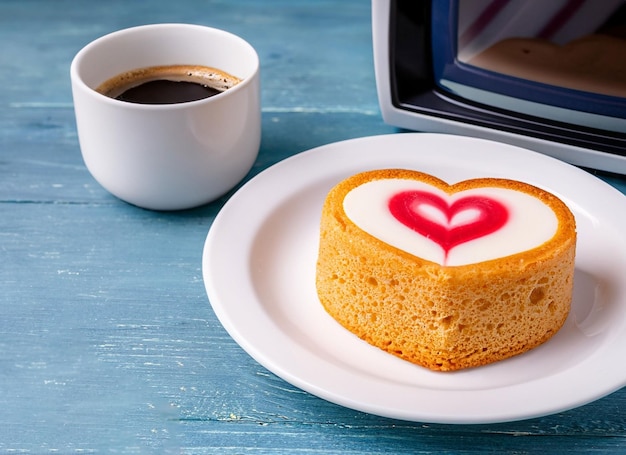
[(446, 276)]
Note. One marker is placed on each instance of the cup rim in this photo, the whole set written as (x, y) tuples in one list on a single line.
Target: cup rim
[(78, 80)]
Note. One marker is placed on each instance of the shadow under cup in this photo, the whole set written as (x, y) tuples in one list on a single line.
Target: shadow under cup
[(168, 156)]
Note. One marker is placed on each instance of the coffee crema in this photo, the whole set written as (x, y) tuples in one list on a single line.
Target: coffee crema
[(170, 84)]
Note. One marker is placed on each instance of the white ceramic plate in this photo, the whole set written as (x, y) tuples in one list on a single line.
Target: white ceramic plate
[(259, 270)]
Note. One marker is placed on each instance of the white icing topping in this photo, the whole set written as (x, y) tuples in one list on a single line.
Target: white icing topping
[(530, 222)]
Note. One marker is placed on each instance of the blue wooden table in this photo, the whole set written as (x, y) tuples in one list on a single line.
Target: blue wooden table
[(108, 343)]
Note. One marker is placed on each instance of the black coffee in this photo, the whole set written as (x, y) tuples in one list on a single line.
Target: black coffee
[(168, 84), (163, 91)]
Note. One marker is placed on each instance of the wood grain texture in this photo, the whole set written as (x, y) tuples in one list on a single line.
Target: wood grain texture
[(107, 341)]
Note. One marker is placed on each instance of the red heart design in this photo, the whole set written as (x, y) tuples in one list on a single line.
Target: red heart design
[(492, 215)]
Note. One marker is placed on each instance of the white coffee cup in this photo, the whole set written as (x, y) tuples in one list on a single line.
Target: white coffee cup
[(168, 156)]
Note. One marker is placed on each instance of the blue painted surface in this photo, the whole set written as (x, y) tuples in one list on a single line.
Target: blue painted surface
[(107, 341)]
